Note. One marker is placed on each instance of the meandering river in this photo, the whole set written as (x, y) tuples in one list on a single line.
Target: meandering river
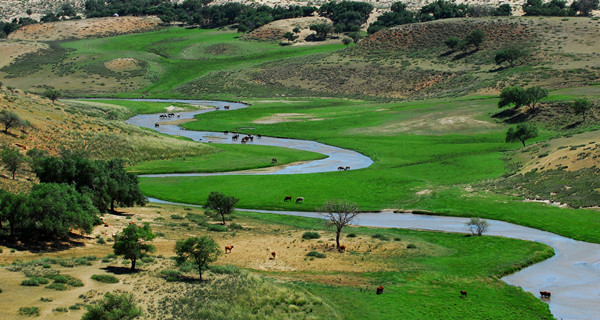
[(572, 275)]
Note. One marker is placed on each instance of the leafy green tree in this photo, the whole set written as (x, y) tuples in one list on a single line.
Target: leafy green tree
[(477, 226), (398, 15), (511, 56), (452, 43), (355, 36), (296, 30), (346, 41), (10, 120), (52, 94), (12, 159), (338, 214), (199, 250), (12, 210), (503, 10), (534, 95), (350, 14), (221, 203), (522, 132), (475, 38), (581, 106), (290, 36), (114, 307), (513, 95), (322, 30), (55, 209), (441, 9), (584, 7), (122, 187), (131, 243)]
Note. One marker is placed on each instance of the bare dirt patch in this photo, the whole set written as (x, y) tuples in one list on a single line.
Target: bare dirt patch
[(86, 28), (122, 64)]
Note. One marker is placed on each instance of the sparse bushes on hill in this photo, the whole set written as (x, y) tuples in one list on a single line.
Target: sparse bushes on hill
[(311, 235), (112, 307)]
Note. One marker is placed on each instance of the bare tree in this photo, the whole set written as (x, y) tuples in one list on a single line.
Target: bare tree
[(339, 213), (477, 226)]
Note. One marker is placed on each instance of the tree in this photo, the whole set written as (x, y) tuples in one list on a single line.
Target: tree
[(338, 214), (221, 203), (503, 10), (510, 55), (513, 95), (322, 30), (199, 250), (585, 7), (55, 209), (296, 30), (452, 43), (522, 132), (12, 209), (10, 119), (290, 36), (346, 41), (477, 226), (581, 106), (12, 159), (534, 95), (122, 186), (52, 94), (131, 243), (475, 38), (113, 307), (355, 36)]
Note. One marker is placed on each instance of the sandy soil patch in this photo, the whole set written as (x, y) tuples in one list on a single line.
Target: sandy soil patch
[(122, 64), (10, 50), (86, 28), (432, 124), (285, 117)]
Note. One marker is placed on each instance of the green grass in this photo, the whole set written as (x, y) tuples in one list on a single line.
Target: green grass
[(106, 278), (226, 158), (428, 157)]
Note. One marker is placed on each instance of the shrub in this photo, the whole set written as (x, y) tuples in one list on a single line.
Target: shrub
[(351, 235), (380, 237), (311, 235), (217, 228), (46, 266), (227, 269), (30, 283), (397, 239), (57, 278), (60, 309), (147, 259), (316, 254), (42, 299), (57, 286), (73, 282), (106, 278), (176, 217), (29, 311), (170, 275), (411, 246), (235, 226), (119, 304), (76, 306), (101, 241)]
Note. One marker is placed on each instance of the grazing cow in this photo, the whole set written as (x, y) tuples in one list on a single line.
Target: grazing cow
[(545, 294), (244, 140), (273, 254), (235, 137), (463, 293), (259, 135), (300, 199), (347, 168), (380, 290), (274, 160), (228, 249), (342, 248), (341, 168), (226, 107), (225, 132), (178, 115), (156, 125), (105, 224), (287, 198)]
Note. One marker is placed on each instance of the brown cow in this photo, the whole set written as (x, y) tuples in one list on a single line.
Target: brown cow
[(545, 294), (342, 248), (274, 160), (300, 200), (287, 198), (226, 107), (380, 290), (274, 254), (463, 293), (228, 249), (341, 168)]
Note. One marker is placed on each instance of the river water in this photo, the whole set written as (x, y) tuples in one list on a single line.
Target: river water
[(572, 275)]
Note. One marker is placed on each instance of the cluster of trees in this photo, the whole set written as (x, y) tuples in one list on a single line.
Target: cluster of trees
[(510, 55), (473, 39), (519, 96), (347, 16), (559, 8), (440, 9), (7, 28), (106, 183)]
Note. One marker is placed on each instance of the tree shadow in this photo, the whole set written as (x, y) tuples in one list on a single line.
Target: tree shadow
[(500, 68), (447, 53), (44, 245), (512, 116), (463, 55), (121, 270), (573, 125)]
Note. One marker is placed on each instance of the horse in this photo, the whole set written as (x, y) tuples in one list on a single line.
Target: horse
[(380, 290), (300, 199), (287, 198), (156, 125), (341, 168), (463, 293), (273, 254), (545, 294), (347, 168), (228, 248), (342, 248)]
